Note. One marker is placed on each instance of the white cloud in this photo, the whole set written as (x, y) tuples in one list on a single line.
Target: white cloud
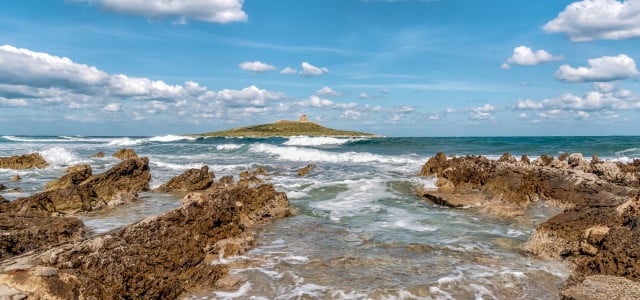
[(582, 115), (327, 91), (216, 11), (288, 71), (528, 104), (12, 102), (484, 112), (351, 114), (309, 70), (112, 107), (598, 19), (256, 66), (364, 95), (606, 68), (450, 110), (523, 115), (37, 69), (315, 101), (250, 96), (525, 56), (404, 109)]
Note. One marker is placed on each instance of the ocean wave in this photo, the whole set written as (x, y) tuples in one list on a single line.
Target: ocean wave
[(59, 156), (120, 142), (171, 138), (318, 141), (228, 147), (177, 167), (306, 155)]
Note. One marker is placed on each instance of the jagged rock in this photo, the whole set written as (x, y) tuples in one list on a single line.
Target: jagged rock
[(459, 198), (15, 178), (98, 155), (595, 235), (2, 187), (575, 159), (74, 176), (24, 233), (617, 172), (26, 161), (525, 159), (118, 185), (306, 169), (595, 160), (227, 179), (159, 257), (190, 180), (563, 157), (507, 157), (125, 154), (603, 287), (3, 200), (544, 160)]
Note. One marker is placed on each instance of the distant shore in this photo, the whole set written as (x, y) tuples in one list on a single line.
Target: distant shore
[(284, 128)]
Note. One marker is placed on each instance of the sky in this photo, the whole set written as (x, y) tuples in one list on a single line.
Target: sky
[(391, 67)]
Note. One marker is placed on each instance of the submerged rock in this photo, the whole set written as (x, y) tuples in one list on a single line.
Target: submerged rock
[(15, 178), (190, 180), (118, 185), (125, 154), (26, 161), (100, 154), (159, 257), (306, 169)]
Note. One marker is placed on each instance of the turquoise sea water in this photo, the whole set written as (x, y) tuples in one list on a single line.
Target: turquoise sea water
[(359, 231)]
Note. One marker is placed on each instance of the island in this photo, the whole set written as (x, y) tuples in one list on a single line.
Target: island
[(285, 128)]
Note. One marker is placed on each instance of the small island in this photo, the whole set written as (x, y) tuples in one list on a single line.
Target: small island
[(285, 128)]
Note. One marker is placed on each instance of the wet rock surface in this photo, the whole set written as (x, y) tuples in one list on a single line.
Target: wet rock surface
[(125, 154), (190, 180), (598, 231), (26, 161), (118, 185), (73, 177), (159, 257)]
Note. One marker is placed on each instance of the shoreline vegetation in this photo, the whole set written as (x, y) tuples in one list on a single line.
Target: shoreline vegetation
[(284, 128)]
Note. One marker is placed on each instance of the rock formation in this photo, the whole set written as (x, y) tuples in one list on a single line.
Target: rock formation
[(125, 154), (15, 178), (190, 180), (306, 170), (74, 176), (26, 161), (159, 257), (599, 229), (118, 185), (100, 154)]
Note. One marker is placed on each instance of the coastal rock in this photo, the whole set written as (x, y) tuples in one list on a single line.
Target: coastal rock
[(118, 185), (3, 200), (525, 159), (190, 180), (24, 233), (603, 287), (624, 174), (507, 157), (305, 170), (100, 154), (74, 176), (2, 187), (575, 159), (228, 179), (125, 154), (15, 178), (159, 257), (26, 161)]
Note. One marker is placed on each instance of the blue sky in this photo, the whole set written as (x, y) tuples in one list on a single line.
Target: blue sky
[(397, 68)]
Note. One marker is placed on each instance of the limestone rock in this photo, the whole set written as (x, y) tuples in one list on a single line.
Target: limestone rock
[(2, 187), (575, 159), (304, 171), (190, 180), (26, 161), (525, 159), (159, 257), (118, 185), (603, 287), (595, 235), (125, 154), (74, 176), (507, 157), (459, 198), (100, 154), (15, 178)]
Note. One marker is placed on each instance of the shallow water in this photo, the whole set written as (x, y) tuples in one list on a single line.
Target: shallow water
[(359, 231)]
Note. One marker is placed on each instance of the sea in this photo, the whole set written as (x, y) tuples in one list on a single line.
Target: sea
[(359, 231)]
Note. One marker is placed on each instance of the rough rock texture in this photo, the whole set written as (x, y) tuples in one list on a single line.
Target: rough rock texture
[(125, 154), (97, 155), (2, 187), (26, 161), (599, 230), (118, 185), (157, 258), (600, 287), (306, 169), (74, 176), (23, 233), (190, 180), (15, 178)]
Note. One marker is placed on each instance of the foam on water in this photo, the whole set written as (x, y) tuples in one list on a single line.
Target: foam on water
[(315, 155), (360, 197), (231, 295), (176, 167), (171, 138), (227, 147), (59, 156), (318, 141), (121, 142)]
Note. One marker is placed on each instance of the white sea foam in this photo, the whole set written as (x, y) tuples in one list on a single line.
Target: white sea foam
[(360, 197), (59, 156), (428, 183), (239, 293), (178, 167), (317, 141), (306, 155), (121, 142), (228, 147), (171, 138), (296, 194)]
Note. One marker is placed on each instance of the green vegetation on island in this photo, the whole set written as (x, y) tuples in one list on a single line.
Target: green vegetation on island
[(284, 128)]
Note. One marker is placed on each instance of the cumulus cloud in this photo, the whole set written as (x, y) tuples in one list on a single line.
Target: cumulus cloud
[(525, 56), (484, 112), (256, 66), (25, 67), (12, 102), (309, 70), (112, 107), (600, 102), (351, 114), (250, 96), (598, 19), (288, 71), (606, 68), (315, 101), (364, 95), (215, 11), (327, 91)]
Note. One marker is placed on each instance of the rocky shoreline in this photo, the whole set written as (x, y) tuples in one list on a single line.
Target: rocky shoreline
[(597, 233), (45, 252)]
